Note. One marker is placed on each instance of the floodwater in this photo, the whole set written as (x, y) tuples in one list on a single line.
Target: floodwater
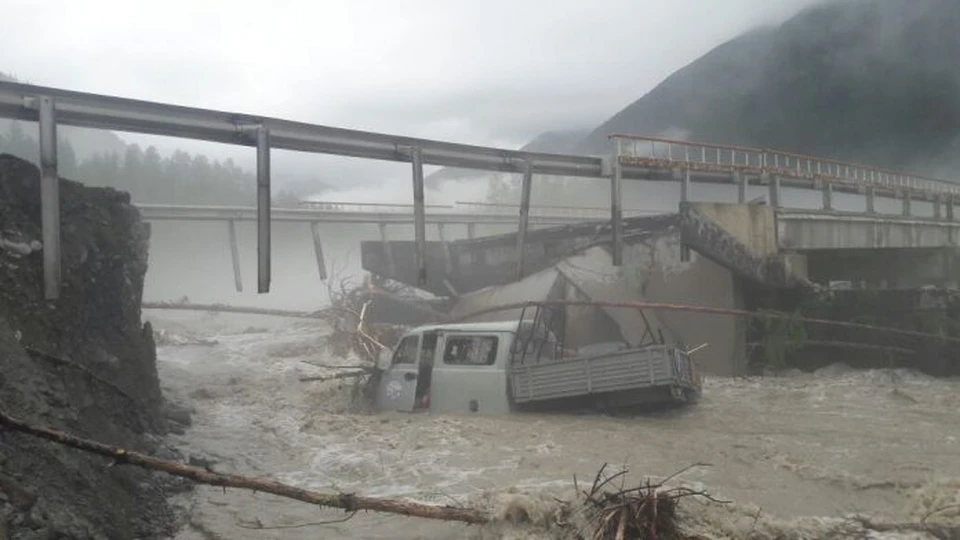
[(794, 455)]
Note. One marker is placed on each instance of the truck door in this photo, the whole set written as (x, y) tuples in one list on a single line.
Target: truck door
[(398, 386)]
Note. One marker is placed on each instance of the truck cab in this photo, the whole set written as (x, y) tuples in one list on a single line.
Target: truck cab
[(450, 368)]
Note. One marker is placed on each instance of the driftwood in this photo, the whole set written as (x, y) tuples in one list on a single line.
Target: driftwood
[(337, 376), (345, 501)]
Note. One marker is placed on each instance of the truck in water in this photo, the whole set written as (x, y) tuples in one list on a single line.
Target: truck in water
[(522, 365)]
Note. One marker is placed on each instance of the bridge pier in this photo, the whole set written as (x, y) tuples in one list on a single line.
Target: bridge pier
[(936, 207), (616, 214), (871, 199), (471, 230), (685, 185), (525, 191), (906, 203), (827, 195), (318, 250), (949, 204), (741, 180), (774, 180), (387, 251), (447, 258), (235, 255)]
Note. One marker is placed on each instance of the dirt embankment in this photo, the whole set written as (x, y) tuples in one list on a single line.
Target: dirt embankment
[(83, 363)]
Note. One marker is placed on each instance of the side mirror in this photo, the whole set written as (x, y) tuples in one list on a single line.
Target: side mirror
[(383, 361)]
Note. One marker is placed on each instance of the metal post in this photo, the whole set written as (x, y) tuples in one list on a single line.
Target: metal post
[(419, 215), (235, 255), (387, 251), (685, 185), (263, 210), (741, 180), (616, 217), (871, 199), (827, 195), (526, 188), (318, 250), (49, 199), (906, 202)]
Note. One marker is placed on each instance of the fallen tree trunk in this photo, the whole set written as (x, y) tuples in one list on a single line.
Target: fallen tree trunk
[(344, 501), (223, 308)]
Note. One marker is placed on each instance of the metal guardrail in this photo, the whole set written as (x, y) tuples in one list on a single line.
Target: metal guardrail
[(640, 150), (551, 210)]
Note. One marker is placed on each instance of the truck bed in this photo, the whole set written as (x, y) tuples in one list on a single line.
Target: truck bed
[(628, 377)]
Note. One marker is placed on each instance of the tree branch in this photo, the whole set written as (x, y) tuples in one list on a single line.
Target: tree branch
[(345, 501)]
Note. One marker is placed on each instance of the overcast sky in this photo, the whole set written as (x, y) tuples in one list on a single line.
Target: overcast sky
[(492, 72)]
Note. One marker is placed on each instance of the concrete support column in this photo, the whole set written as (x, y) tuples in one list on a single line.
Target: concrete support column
[(775, 191), (936, 207), (447, 256), (871, 199), (471, 230), (907, 197), (827, 195), (685, 185), (741, 180), (949, 204)]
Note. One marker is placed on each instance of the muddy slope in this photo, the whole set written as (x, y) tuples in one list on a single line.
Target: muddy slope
[(84, 363)]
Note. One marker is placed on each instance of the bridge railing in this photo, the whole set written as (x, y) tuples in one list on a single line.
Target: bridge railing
[(350, 206), (549, 210), (667, 153)]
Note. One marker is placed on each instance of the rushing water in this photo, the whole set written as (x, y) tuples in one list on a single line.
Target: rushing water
[(795, 454)]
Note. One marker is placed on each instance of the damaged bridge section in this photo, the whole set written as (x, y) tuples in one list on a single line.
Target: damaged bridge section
[(706, 254)]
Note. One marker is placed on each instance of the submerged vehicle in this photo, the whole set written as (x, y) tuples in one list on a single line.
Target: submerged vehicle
[(505, 366)]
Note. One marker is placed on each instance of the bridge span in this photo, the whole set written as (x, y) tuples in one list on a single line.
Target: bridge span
[(631, 157)]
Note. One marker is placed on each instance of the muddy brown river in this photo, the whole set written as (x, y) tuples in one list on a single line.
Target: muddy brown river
[(795, 455)]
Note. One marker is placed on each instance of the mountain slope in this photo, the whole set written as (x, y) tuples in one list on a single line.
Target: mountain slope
[(875, 81)]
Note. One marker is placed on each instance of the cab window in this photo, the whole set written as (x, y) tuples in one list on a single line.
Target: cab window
[(406, 351), (470, 351)]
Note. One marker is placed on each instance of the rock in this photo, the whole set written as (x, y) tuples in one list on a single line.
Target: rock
[(97, 374), (177, 413)]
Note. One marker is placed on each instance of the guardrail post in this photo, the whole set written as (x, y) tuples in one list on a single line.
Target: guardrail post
[(49, 198), (263, 210), (419, 215), (616, 216), (827, 195), (907, 196), (234, 254), (685, 185), (525, 191), (318, 250), (741, 180), (871, 199)]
